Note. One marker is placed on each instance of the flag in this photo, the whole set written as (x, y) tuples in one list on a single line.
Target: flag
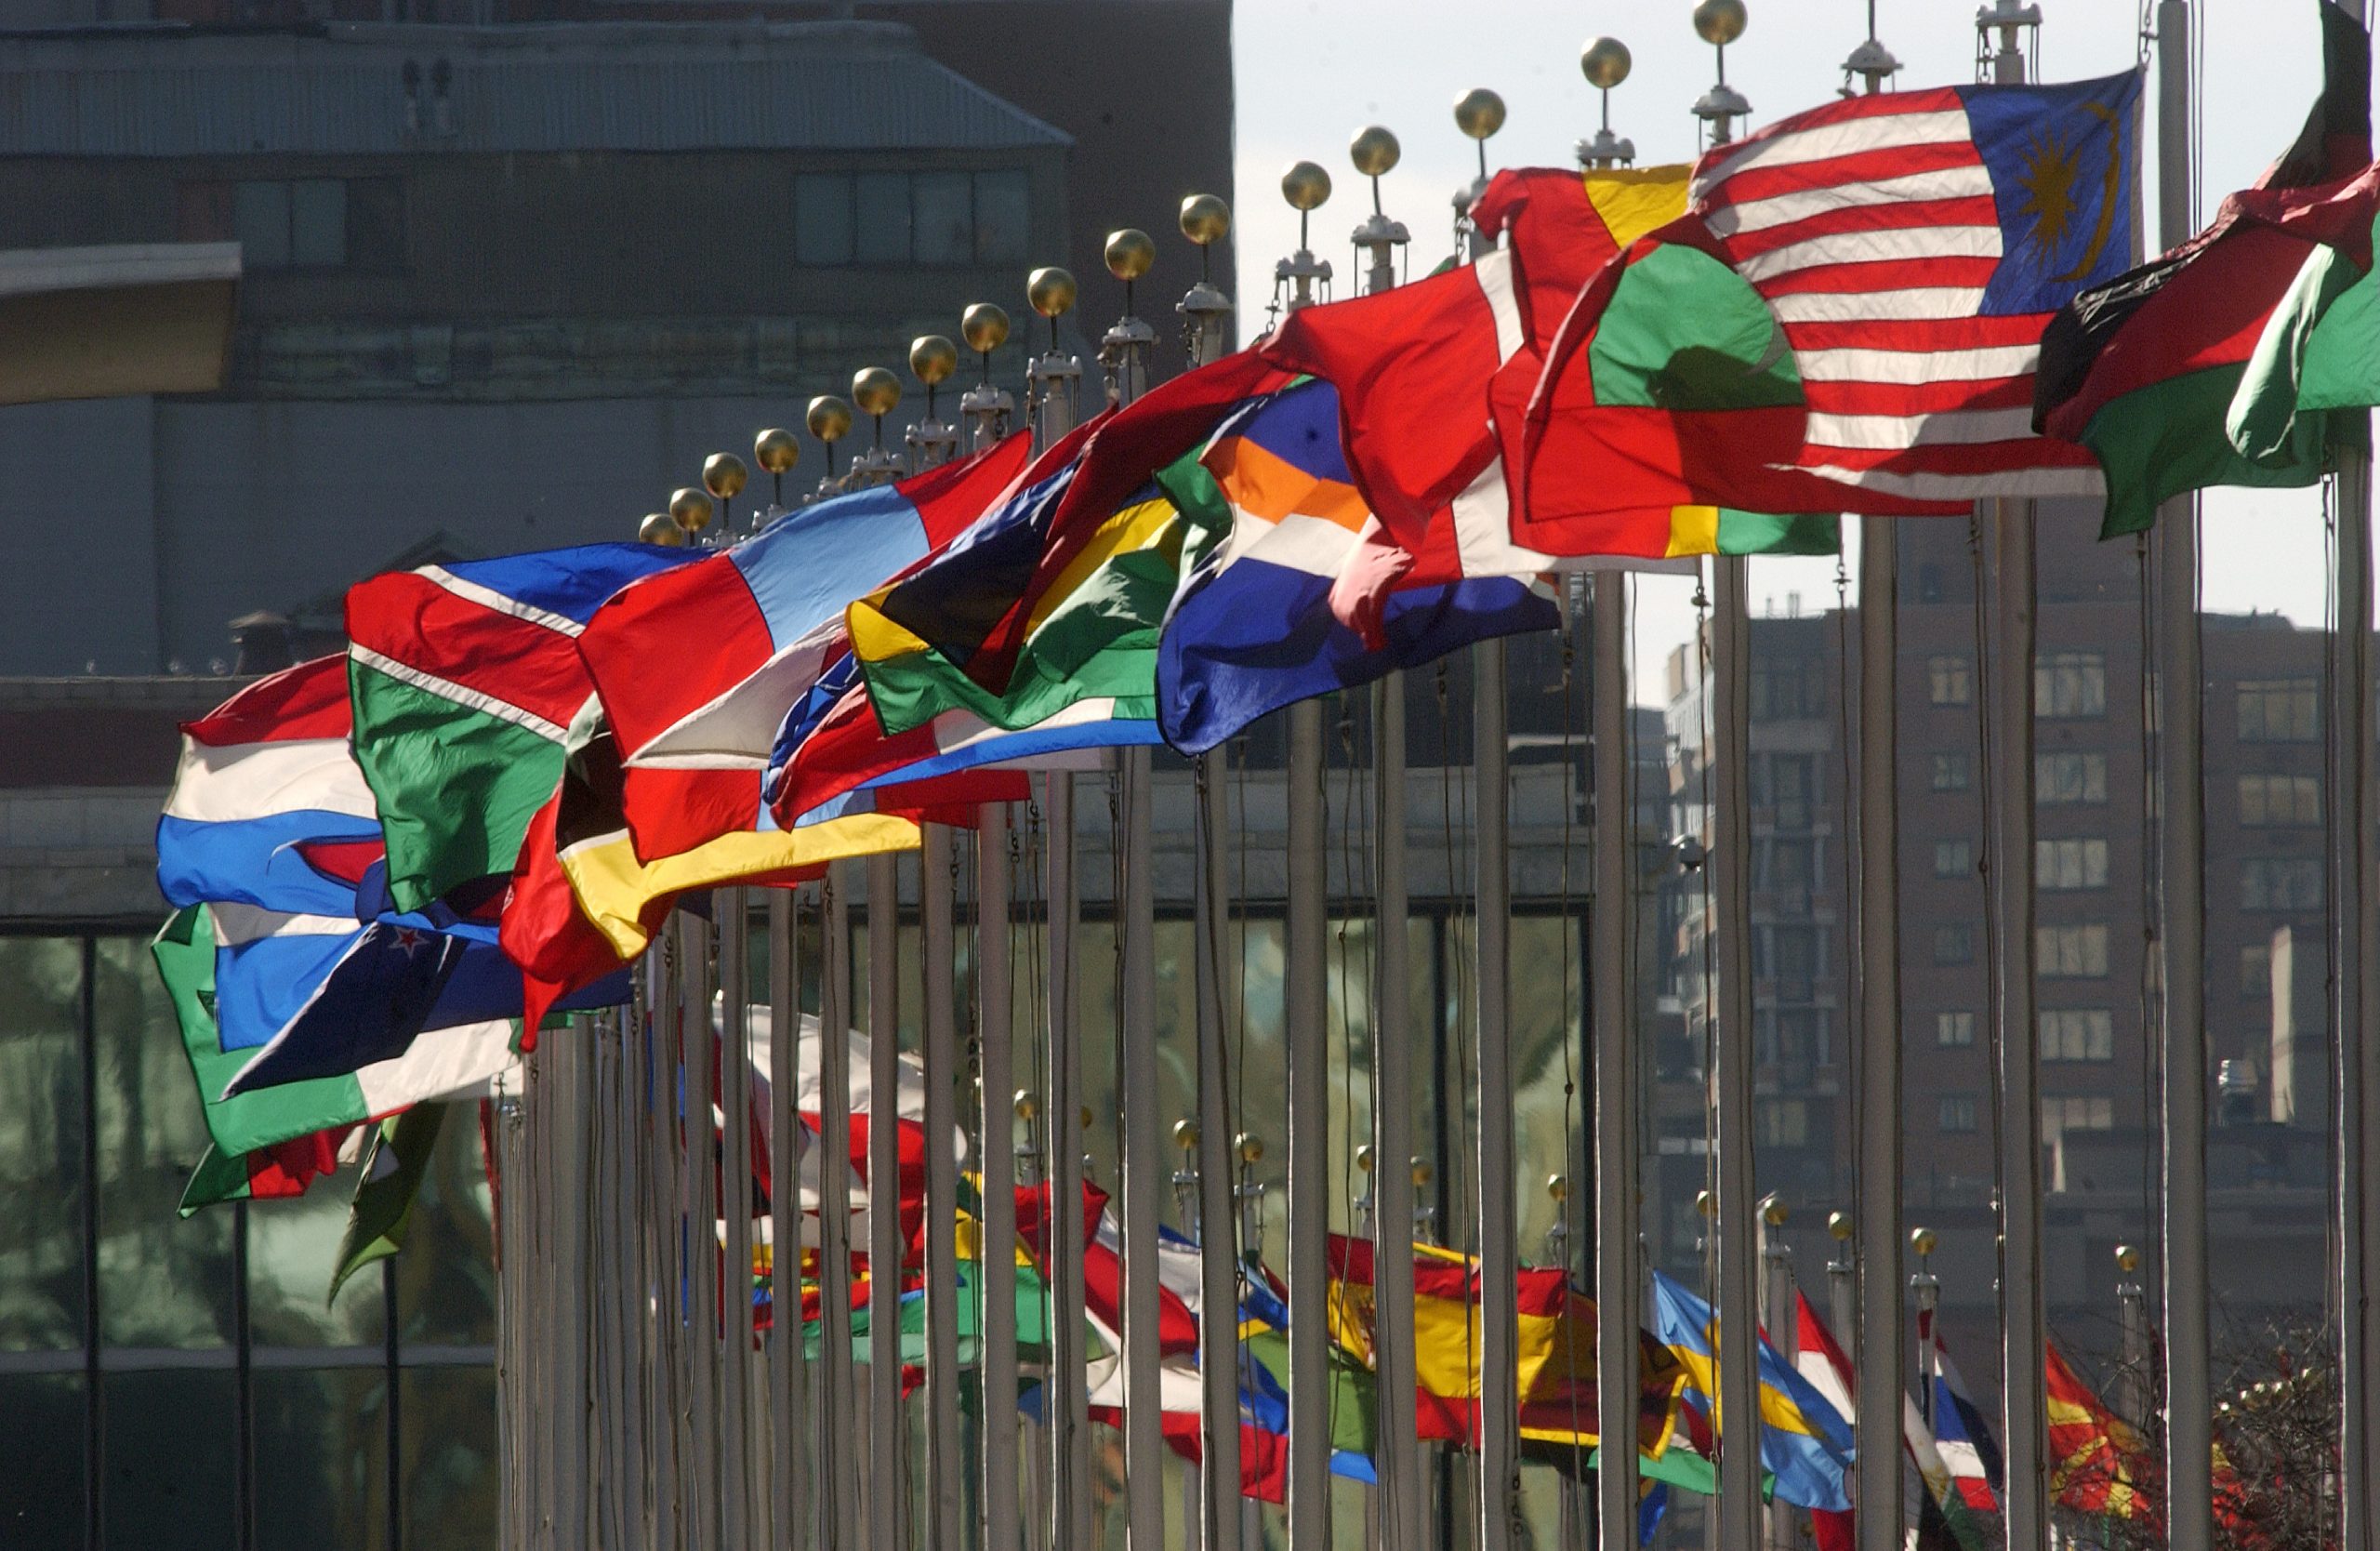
[(2097, 1464), (2191, 369), (400, 1155), (696, 665), (1253, 629), (1927, 1492), (262, 775), (276, 1172), (1805, 1444), (454, 1064), (1962, 1432), (463, 678)]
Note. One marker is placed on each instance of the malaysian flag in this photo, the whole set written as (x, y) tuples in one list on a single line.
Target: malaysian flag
[(1914, 245)]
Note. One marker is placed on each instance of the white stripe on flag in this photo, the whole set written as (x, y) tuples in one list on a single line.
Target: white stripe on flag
[(1874, 248), (1759, 214), (1314, 544), (231, 782), (488, 598), (1918, 304), (236, 925), (1876, 132), (1928, 486), (1494, 272), (1960, 1456), (1993, 363), (479, 700), (1887, 432), (447, 1063)]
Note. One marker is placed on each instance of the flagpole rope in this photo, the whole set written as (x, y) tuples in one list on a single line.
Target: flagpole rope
[(1988, 795)]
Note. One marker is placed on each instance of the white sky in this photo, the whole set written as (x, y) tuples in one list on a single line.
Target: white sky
[(1313, 72)]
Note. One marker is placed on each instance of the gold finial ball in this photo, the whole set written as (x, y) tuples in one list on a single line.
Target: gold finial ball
[(1374, 150), (829, 419), (1772, 1210), (1558, 1187), (659, 527), (2127, 1259), (1050, 290), (1251, 1146), (1922, 1240), (1130, 253), (1089, 1120), (1363, 1158), (1705, 1203), (1606, 63), (984, 326), (1027, 1105), (690, 509), (724, 474), (876, 390), (1204, 218), (776, 449), (932, 358), (1719, 21), (1479, 113), (1305, 185), (1185, 1135), (1838, 1226), (1423, 1174)]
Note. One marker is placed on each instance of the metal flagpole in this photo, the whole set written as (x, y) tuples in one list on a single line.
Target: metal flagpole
[(735, 1177), (1124, 350), (1868, 1283), (701, 1413), (1206, 318), (993, 1037), (789, 1408), (2356, 863), (838, 1469), (937, 934), (1499, 1251), (1783, 1324), (1611, 933), (2182, 801), (888, 1433), (1737, 1518)]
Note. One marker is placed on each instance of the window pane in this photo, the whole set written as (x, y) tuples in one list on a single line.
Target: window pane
[(376, 224), (322, 1456), (447, 1427), (883, 232), (945, 221), (260, 221), (170, 1448), (41, 1469), (164, 1282), (1003, 217), (41, 1148), (292, 1247), (822, 219), (446, 1276), (318, 224)]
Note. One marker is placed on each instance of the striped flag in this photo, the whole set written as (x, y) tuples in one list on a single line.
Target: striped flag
[(1913, 247)]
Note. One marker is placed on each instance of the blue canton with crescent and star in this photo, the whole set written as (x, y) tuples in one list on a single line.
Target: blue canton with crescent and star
[(2065, 166)]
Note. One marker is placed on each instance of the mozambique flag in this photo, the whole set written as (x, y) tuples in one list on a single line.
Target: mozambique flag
[(2097, 1464), (2192, 369), (274, 1172)]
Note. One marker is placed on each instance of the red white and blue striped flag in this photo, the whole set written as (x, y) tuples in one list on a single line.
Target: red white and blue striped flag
[(1913, 247)]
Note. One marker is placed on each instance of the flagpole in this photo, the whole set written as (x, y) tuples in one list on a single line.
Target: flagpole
[(993, 1045), (789, 1411), (2356, 863), (839, 1471), (702, 1244), (888, 1432), (1498, 1251), (1205, 314), (2181, 777)]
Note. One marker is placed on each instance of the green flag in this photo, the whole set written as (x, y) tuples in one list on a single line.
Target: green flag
[(383, 1205)]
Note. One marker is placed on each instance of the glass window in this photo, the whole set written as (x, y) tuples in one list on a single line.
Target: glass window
[(2281, 883), (2070, 864), (1929, 583), (321, 1447), (1949, 680), (446, 1276), (2278, 711), (260, 222), (41, 1293), (2069, 952), (2069, 777), (1954, 945), (164, 1282), (376, 224), (1003, 217), (43, 1475), (446, 1424), (1784, 1124), (2071, 683), (1953, 858), (318, 224), (2276, 800), (171, 1452), (2255, 971), (1954, 1029), (882, 235), (292, 1246), (1950, 773), (1955, 1111), (944, 233), (2078, 1034), (822, 219)]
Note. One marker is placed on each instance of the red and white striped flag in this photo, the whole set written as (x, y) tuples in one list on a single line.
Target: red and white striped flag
[(1913, 247)]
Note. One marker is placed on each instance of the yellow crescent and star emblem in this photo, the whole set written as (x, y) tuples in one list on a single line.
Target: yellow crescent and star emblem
[(2052, 178)]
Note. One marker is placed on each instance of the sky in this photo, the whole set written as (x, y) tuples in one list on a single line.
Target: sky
[(1311, 72)]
